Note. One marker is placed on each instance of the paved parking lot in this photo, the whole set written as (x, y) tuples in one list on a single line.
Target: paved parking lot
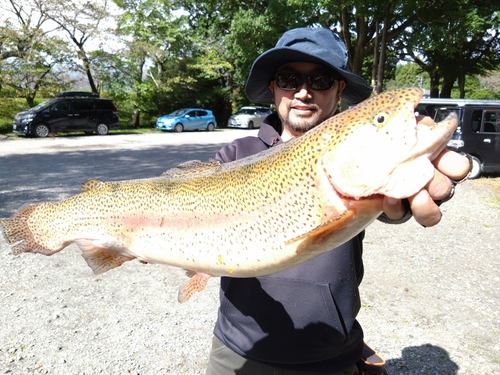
[(430, 301), (36, 170)]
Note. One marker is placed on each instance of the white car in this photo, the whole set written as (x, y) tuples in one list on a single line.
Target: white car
[(248, 117)]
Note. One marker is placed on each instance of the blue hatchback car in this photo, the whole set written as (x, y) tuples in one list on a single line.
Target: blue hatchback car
[(187, 119)]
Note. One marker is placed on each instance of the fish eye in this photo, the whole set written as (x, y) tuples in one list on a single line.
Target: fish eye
[(380, 119)]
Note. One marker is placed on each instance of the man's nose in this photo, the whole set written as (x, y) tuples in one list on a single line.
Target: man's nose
[(303, 90)]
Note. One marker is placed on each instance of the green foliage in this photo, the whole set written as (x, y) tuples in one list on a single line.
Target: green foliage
[(8, 108), (201, 56), (411, 75)]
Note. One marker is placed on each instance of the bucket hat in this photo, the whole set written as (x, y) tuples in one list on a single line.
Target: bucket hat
[(316, 45)]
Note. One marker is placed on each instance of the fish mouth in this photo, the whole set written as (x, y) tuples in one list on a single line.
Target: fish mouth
[(393, 161)]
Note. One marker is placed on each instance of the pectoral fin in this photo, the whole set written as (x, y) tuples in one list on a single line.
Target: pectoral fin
[(320, 233), (99, 258), (196, 283)]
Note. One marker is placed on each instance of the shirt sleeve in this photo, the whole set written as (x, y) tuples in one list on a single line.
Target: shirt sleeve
[(226, 153)]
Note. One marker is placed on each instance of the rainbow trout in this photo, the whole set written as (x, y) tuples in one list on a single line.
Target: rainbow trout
[(254, 216)]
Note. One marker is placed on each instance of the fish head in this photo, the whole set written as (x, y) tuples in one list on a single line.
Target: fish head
[(381, 147)]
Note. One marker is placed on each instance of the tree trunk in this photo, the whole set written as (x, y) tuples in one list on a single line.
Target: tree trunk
[(434, 91), (136, 114), (86, 67), (383, 49), (461, 85), (383, 55), (446, 87), (375, 55)]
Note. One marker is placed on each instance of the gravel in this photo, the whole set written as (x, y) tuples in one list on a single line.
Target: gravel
[(430, 302)]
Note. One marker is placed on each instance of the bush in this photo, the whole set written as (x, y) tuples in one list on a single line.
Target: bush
[(8, 109)]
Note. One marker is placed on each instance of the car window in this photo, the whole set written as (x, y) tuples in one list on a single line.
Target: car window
[(245, 111), (202, 113), (42, 105), (491, 121), (177, 112), (476, 119), (61, 106), (104, 105), (191, 114), (83, 105)]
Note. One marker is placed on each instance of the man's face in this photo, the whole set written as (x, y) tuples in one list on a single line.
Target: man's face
[(302, 109)]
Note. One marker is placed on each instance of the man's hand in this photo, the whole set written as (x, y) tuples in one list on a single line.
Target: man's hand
[(449, 166)]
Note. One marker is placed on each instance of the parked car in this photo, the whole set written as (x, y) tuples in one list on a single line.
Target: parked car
[(248, 117), (478, 132), (187, 119), (69, 112)]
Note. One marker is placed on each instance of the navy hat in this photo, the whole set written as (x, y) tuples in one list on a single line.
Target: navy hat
[(316, 45)]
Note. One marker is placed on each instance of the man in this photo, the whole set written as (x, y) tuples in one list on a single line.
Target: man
[(302, 320)]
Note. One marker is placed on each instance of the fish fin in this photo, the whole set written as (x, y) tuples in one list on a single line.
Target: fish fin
[(196, 283), (192, 167), (90, 184), (324, 231), (190, 273), (99, 258), (18, 234)]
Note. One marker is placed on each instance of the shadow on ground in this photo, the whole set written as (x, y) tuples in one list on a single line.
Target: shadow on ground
[(424, 359), (38, 177)]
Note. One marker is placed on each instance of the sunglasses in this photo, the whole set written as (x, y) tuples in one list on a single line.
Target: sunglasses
[(290, 80)]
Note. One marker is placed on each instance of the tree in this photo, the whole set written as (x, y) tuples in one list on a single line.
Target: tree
[(30, 59), (463, 40), (82, 22)]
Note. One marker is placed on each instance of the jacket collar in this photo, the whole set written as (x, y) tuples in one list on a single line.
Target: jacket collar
[(270, 130)]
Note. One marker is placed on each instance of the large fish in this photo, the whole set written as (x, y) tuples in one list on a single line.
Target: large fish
[(251, 217)]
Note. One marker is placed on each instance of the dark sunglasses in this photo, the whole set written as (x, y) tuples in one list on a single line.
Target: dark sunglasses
[(290, 80)]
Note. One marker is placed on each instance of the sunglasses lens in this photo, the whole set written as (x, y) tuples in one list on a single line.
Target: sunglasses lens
[(321, 81), (288, 80)]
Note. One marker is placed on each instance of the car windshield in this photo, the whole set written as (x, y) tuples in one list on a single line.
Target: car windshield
[(178, 112), (42, 105), (246, 111)]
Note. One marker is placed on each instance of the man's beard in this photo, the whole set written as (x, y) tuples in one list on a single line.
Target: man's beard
[(302, 125)]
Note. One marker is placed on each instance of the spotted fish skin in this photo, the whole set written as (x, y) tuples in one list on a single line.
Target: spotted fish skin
[(254, 216)]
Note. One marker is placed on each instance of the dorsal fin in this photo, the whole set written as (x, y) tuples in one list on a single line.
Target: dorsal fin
[(192, 167), (90, 184)]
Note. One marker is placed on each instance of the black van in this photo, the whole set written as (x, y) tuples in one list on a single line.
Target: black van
[(68, 112), (478, 131)]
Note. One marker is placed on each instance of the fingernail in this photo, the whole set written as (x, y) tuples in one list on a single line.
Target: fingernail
[(392, 201)]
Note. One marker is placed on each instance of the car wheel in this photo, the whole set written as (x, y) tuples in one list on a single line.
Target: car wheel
[(476, 168), (41, 131), (250, 125), (102, 129), (178, 128), (210, 127)]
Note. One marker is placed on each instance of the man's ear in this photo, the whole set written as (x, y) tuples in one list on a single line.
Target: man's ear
[(341, 88), (271, 87)]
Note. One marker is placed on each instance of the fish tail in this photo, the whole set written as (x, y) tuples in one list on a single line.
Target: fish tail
[(18, 234)]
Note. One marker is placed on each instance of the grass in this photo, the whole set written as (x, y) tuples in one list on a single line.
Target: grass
[(8, 108)]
